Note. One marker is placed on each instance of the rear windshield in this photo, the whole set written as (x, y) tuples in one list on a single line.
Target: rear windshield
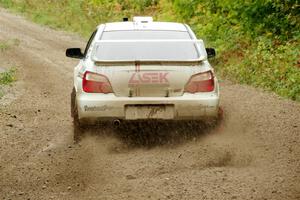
[(145, 50)]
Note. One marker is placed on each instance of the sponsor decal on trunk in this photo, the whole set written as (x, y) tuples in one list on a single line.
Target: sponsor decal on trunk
[(142, 78), (156, 78)]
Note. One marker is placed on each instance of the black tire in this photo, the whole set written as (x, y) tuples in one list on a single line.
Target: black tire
[(218, 120), (220, 114), (78, 128), (73, 99)]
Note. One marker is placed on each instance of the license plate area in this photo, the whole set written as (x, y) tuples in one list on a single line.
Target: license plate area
[(135, 112)]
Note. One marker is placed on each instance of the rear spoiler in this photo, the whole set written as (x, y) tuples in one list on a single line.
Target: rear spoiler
[(149, 62)]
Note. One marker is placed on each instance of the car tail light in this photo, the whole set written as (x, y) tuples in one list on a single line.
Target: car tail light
[(96, 83), (202, 82)]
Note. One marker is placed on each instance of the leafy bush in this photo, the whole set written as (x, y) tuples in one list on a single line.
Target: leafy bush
[(268, 66), (257, 41)]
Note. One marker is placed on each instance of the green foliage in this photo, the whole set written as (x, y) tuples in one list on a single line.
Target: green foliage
[(270, 66), (8, 77), (6, 3), (280, 18), (254, 17), (257, 40), (3, 46), (80, 16)]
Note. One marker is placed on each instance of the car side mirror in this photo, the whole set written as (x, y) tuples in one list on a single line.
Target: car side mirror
[(74, 53), (211, 52)]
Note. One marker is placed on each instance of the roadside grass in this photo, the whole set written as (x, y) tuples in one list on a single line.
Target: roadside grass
[(8, 77), (7, 44), (3, 46), (255, 44), (273, 67)]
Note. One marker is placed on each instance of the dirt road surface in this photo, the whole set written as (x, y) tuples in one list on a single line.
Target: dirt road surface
[(253, 154)]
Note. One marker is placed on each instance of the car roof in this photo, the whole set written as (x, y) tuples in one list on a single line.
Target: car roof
[(157, 26)]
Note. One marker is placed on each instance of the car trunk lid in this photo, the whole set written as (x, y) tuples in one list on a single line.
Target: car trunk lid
[(148, 79)]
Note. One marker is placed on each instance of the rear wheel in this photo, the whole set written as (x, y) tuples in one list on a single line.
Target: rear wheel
[(220, 114), (73, 99), (78, 128), (219, 118)]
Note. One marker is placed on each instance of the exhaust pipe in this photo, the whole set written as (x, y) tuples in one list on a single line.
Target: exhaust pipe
[(116, 122)]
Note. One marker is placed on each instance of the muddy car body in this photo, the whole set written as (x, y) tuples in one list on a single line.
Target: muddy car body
[(144, 70)]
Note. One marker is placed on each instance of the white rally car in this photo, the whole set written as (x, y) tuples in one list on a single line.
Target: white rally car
[(143, 70)]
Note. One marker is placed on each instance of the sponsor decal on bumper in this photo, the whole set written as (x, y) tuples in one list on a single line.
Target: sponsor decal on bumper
[(96, 108)]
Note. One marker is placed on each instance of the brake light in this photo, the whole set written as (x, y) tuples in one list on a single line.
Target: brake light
[(202, 82), (96, 83)]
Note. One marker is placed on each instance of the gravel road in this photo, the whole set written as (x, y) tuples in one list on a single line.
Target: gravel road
[(253, 153)]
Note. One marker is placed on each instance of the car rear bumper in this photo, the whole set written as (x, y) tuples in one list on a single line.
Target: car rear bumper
[(109, 107)]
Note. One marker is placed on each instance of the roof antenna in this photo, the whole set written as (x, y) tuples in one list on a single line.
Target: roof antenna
[(125, 19)]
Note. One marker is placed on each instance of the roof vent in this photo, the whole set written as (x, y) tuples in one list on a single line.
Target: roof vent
[(142, 19)]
